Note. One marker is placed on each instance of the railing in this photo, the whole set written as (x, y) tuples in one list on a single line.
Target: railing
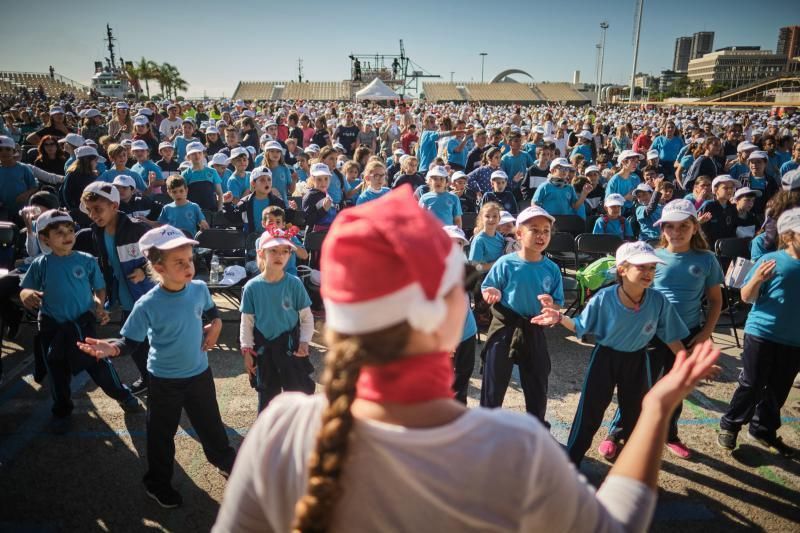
[(55, 77)]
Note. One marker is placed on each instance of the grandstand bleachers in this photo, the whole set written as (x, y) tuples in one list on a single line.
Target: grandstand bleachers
[(502, 92), (442, 92), (10, 82), (560, 92), (292, 90)]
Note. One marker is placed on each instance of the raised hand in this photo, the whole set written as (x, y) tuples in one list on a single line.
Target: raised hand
[(98, 348), (548, 317), (686, 372), (491, 295)]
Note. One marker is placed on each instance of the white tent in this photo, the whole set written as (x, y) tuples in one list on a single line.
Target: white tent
[(376, 90)]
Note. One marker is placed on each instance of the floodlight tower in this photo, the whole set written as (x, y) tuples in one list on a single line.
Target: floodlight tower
[(604, 27)]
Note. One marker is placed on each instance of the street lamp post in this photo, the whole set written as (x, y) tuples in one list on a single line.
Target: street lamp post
[(604, 27), (483, 58)]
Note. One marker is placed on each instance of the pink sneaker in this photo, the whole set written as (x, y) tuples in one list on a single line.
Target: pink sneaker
[(679, 449), (608, 449)]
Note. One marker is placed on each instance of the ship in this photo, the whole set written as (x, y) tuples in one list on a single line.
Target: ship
[(109, 79)]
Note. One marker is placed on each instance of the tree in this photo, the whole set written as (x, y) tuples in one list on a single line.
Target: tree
[(169, 78), (146, 70)]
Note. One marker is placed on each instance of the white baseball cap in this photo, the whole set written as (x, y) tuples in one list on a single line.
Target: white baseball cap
[(652, 154), (273, 145), (165, 145), (437, 171), (123, 180), (533, 212), (643, 187), (454, 232), (745, 146), (50, 217), (627, 154), (758, 154), (724, 178), (258, 172), (320, 169), (275, 237), (141, 120), (399, 151), (239, 151), (614, 199), (121, 105), (212, 129), (636, 253), (91, 113), (789, 221), (791, 180), (195, 147), (139, 145), (103, 189), (73, 138), (219, 159), (677, 211), (86, 151), (560, 162), (499, 175), (7, 142), (164, 238), (55, 110), (506, 217), (312, 149), (232, 275), (744, 191), (457, 175), (591, 168), (587, 135)]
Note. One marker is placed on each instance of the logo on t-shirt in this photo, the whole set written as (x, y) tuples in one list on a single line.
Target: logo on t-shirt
[(79, 272), (649, 328), (695, 270), (287, 303), (547, 283)]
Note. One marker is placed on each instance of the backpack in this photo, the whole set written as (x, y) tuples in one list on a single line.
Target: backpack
[(594, 276)]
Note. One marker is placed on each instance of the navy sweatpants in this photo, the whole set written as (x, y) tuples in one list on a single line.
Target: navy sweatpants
[(534, 372), (608, 369), (463, 365), (768, 371)]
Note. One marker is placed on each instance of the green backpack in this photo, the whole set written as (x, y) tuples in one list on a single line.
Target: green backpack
[(595, 275)]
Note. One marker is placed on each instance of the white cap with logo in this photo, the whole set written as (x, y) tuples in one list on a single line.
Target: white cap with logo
[(677, 211), (164, 238), (50, 217), (102, 189), (636, 253), (533, 212)]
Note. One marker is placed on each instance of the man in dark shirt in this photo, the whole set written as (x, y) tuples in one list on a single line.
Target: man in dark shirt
[(724, 217), (481, 145), (538, 171), (347, 134)]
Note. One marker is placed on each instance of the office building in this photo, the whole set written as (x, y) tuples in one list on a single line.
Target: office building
[(789, 47), (733, 67), (683, 51), (702, 43)]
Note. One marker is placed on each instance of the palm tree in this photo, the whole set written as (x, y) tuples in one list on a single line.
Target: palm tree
[(146, 70), (169, 78), (133, 77)]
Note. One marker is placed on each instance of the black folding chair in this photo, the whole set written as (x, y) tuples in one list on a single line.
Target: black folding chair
[(229, 246), (562, 250), (210, 216), (634, 222), (572, 224), (590, 246), (468, 221), (727, 250), (9, 233), (296, 217)]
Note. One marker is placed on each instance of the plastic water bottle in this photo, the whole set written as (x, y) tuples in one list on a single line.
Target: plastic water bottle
[(213, 274)]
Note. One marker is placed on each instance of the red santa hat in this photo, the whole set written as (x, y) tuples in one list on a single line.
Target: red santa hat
[(386, 262)]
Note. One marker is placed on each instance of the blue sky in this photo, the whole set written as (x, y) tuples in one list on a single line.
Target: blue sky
[(215, 44)]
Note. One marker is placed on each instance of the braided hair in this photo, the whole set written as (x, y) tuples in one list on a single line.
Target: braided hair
[(347, 354)]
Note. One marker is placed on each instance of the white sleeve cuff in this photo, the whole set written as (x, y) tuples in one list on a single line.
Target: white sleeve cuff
[(246, 326), (306, 325)]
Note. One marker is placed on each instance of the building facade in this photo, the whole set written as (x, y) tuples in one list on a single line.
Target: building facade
[(789, 47), (683, 52), (733, 67), (702, 43)]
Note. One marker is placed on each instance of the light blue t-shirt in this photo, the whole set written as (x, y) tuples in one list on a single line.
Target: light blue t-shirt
[(739, 171), (555, 199), (173, 323), (67, 282), (618, 184), (109, 175), (771, 315), (613, 227), (520, 282), (301, 174), (185, 217), (335, 188), (181, 143), (122, 292), (585, 150), (291, 266), (684, 280), (426, 149), (459, 158), (276, 306), (202, 174), (513, 164), (757, 247), (144, 169), (470, 326), (238, 185), (445, 206), (789, 166), (626, 330), (282, 179), (668, 149), (14, 180), (368, 195), (224, 178), (648, 231), (486, 249)]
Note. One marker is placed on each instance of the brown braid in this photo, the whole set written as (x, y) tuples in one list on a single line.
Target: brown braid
[(343, 363)]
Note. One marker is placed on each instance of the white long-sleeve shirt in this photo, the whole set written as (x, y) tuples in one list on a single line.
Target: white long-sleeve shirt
[(489, 470)]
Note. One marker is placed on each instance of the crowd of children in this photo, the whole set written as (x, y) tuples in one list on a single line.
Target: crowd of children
[(501, 199)]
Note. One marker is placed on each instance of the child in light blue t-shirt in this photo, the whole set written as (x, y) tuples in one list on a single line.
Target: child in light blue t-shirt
[(277, 324), (375, 176), (443, 204), (612, 223), (488, 244), (171, 317), (181, 213), (624, 318)]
